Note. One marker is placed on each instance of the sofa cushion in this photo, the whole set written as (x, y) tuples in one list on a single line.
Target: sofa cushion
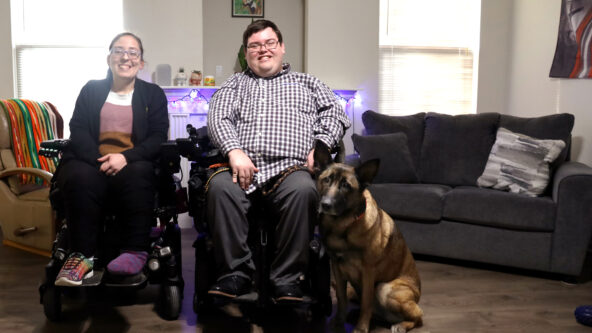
[(499, 209), (531, 250), (396, 165), (455, 148), (376, 123), (554, 127), (519, 163), (423, 202)]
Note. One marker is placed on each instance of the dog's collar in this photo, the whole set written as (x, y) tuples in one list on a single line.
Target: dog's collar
[(361, 212)]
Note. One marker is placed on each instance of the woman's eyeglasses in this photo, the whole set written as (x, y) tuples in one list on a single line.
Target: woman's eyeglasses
[(131, 53)]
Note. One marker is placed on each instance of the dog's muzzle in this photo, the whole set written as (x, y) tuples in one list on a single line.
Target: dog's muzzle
[(328, 205)]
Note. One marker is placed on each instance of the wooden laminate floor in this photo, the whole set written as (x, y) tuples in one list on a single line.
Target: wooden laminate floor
[(456, 298)]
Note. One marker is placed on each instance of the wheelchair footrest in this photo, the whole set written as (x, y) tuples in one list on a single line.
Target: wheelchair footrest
[(306, 300), (253, 297), (246, 298), (94, 280)]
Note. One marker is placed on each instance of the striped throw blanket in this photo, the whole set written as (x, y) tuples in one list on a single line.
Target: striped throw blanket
[(31, 123)]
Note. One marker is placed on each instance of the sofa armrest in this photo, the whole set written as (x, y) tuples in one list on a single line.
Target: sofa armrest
[(566, 170), (572, 192)]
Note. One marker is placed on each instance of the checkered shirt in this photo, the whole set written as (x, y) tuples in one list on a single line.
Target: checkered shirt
[(274, 120)]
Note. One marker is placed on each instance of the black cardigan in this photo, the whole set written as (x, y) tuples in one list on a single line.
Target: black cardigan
[(149, 129)]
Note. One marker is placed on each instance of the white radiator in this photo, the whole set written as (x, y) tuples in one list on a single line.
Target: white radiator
[(178, 129)]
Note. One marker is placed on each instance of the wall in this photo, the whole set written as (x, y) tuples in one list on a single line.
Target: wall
[(531, 91), (223, 34), (6, 85), (342, 50), (171, 33), (518, 40), (494, 62)]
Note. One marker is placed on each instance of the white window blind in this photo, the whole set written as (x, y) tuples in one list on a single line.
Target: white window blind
[(427, 56), (59, 45)]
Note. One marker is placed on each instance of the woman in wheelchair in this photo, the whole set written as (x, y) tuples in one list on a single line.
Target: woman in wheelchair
[(116, 130)]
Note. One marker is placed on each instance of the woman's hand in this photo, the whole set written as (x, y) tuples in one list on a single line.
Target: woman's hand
[(111, 164), (242, 167)]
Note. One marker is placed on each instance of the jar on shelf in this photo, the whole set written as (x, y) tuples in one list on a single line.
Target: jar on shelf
[(195, 78), (209, 81)]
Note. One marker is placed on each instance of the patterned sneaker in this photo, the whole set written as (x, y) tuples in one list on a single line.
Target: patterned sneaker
[(75, 269)]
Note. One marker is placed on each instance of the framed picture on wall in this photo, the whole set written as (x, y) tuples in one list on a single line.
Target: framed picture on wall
[(572, 58), (247, 8)]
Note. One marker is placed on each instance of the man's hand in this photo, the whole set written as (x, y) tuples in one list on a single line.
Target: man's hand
[(111, 164), (242, 167)]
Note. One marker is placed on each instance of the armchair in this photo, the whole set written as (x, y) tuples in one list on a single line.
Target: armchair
[(26, 216)]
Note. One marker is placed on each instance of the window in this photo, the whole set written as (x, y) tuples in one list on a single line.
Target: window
[(427, 56), (59, 45)]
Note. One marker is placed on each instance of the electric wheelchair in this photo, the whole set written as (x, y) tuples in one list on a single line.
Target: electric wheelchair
[(164, 262), (205, 162)]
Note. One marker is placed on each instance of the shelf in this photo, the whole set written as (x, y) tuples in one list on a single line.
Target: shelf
[(165, 88), (195, 99)]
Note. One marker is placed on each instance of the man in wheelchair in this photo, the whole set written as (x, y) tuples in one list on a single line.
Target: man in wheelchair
[(266, 120)]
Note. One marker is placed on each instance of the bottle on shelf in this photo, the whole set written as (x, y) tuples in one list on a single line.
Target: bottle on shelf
[(181, 78)]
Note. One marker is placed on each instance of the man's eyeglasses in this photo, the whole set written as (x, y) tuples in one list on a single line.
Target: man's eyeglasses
[(256, 47), (131, 53)]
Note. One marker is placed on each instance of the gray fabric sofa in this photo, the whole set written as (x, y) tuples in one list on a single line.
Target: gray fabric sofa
[(427, 182)]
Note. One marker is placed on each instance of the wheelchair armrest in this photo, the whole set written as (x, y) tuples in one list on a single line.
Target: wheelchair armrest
[(169, 160), (52, 148), (36, 172), (187, 148)]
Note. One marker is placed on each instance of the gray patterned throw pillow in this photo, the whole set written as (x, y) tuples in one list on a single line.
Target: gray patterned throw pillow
[(519, 163)]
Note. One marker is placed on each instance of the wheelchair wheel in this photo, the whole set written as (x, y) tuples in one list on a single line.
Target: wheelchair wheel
[(170, 302), (200, 305), (203, 279), (52, 303)]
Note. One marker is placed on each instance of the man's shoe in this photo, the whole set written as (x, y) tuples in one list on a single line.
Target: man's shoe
[(289, 293), (231, 286)]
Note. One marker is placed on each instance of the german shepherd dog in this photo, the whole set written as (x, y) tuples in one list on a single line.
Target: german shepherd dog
[(365, 246)]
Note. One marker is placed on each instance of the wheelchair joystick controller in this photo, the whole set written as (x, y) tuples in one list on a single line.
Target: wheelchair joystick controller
[(159, 253)]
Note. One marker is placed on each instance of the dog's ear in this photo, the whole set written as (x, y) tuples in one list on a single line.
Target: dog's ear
[(322, 157), (366, 172), (340, 155)]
